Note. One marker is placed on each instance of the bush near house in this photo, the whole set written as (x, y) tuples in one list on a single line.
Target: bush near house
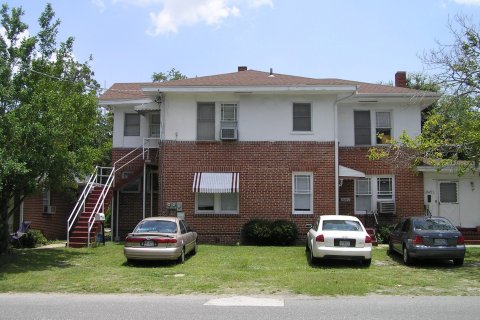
[(34, 238), (264, 232), (383, 233)]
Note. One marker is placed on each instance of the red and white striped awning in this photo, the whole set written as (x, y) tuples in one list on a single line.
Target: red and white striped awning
[(216, 182)]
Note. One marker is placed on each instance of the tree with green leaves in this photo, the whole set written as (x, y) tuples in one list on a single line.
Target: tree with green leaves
[(451, 131), (51, 130), (173, 74)]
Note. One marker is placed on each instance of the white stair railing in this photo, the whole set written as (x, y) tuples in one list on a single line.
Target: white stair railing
[(80, 205)]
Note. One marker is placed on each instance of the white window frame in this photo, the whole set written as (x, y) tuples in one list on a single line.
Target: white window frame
[(217, 205), (215, 115), (311, 118), (374, 191), (151, 131), (440, 193), (46, 197), (125, 125), (229, 104), (376, 127), (294, 192)]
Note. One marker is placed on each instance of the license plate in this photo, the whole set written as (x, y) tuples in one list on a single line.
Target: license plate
[(440, 242), (148, 243), (344, 243)]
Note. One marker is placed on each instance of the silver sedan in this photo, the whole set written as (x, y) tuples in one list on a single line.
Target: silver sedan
[(339, 237), (160, 238)]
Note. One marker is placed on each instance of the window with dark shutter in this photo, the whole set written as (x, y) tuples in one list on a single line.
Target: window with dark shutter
[(361, 120)]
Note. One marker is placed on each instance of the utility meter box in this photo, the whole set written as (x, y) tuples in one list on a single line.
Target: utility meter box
[(99, 217)]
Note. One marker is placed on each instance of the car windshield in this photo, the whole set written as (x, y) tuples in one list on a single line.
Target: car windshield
[(156, 226), (341, 225), (433, 224)]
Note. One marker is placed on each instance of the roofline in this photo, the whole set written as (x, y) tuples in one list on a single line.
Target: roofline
[(447, 169), (252, 89), (125, 101)]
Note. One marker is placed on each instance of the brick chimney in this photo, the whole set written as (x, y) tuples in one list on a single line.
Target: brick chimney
[(242, 68), (401, 79)]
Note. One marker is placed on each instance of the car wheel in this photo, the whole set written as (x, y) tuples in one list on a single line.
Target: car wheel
[(195, 248), (313, 260), (406, 256), (307, 249), (390, 247), (181, 259), (367, 262), (458, 262)]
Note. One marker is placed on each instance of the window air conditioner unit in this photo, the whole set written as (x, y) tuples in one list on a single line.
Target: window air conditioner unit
[(228, 133), (386, 207), (49, 209)]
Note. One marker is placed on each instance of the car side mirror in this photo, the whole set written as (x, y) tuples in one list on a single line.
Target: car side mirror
[(309, 225)]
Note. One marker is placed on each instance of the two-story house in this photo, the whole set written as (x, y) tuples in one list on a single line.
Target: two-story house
[(221, 150)]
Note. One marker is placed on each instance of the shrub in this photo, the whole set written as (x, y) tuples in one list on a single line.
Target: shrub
[(257, 231), (34, 238), (263, 232), (383, 233), (284, 233)]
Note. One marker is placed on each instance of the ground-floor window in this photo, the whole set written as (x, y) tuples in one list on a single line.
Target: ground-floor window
[(302, 195), (217, 202), (372, 189)]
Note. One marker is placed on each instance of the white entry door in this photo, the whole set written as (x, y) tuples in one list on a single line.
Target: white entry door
[(448, 201)]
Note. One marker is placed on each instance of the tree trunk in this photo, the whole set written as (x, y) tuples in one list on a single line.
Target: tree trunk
[(4, 234)]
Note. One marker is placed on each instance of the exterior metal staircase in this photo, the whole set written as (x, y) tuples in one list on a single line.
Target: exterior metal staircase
[(84, 223)]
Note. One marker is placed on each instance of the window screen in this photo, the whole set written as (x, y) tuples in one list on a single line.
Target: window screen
[(302, 117), (205, 201), (206, 121), (132, 124), (384, 127), (361, 122), (302, 192), (448, 192), (228, 201), (155, 125)]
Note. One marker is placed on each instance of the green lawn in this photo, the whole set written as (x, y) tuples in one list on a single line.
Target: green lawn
[(231, 270)]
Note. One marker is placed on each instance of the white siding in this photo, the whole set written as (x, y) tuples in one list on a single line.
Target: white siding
[(468, 195), (403, 117)]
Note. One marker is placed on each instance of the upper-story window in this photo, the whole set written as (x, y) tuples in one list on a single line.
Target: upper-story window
[(384, 127), (132, 124), (302, 117), (361, 123), (155, 125), (206, 121), (229, 112)]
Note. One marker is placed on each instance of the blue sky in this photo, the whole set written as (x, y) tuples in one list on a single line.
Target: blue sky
[(366, 40)]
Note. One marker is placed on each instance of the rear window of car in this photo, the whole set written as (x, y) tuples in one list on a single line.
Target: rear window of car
[(433, 224), (156, 226), (341, 225)]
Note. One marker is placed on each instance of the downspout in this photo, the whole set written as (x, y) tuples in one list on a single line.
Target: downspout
[(335, 124)]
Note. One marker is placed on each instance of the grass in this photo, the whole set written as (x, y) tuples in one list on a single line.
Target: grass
[(231, 270)]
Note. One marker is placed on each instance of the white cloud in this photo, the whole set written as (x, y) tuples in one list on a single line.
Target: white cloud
[(175, 14), (468, 2), (260, 3), (190, 12), (100, 4)]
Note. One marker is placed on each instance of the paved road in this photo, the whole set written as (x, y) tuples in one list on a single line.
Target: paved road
[(58, 306)]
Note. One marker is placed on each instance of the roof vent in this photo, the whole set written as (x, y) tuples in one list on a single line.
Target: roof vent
[(242, 68)]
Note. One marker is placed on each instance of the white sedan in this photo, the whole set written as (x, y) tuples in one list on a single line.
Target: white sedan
[(339, 237)]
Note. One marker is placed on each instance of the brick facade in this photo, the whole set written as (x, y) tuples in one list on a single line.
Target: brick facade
[(408, 184), (266, 170), (53, 226)]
